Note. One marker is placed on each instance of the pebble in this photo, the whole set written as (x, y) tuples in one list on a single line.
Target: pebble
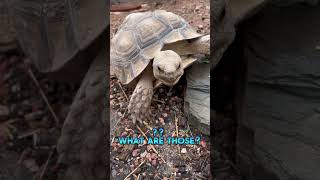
[(4, 112), (183, 150), (162, 121), (165, 115), (154, 162), (124, 134), (114, 172), (31, 165), (135, 152), (154, 156), (33, 116), (143, 154), (167, 119), (15, 88), (148, 156)]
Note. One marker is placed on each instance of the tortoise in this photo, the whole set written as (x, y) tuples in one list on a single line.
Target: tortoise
[(163, 38)]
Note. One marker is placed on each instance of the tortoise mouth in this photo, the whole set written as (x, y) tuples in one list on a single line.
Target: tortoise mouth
[(169, 82)]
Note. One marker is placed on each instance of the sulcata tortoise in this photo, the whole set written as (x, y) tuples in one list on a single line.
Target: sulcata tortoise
[(153, 48)]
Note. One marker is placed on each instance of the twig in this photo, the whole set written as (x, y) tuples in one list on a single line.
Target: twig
[(138, 177), (125, 95), (7, 127), (177, 129), (23, 155), (189, 129), (46, 164), (153, 148), (135, 176), (134, 170), (147, 125), (118, 123), (27, 134), (176, 123), (31, 74), (159, 101)]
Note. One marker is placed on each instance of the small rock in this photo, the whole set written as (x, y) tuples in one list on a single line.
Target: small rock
[(31, 165), (154, 156), (114, 172), (148, 156), (121, 105), (143, 154), (164, 115), (167, 119), (183, 150), (15, 88), (161, 120), (135, 152), (203, 144), (154, 162), (136, 162), (124, 134), (33, 116), (4, 112)]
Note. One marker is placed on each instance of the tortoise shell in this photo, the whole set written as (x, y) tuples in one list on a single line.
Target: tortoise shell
[(140, 36)]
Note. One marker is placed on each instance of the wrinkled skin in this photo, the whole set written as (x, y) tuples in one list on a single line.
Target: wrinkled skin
[(167, 67)]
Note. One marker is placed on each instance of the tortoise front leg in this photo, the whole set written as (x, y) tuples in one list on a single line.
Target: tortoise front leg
[(142, 96)]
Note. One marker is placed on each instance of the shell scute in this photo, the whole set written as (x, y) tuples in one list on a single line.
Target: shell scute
[(140, 36)]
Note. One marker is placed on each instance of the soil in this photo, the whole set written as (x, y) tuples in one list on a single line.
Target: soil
[(173, 161), (28, 132)]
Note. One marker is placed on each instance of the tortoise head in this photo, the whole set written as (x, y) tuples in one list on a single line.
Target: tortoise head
[(167, 67)]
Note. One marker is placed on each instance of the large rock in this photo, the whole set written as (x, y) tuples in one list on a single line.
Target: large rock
[(278, 135), (197, 99)]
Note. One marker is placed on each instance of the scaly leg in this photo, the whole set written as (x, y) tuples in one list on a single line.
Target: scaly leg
[(142, 96)]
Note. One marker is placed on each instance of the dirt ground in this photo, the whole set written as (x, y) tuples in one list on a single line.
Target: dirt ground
[(28, 131), (173, 161)]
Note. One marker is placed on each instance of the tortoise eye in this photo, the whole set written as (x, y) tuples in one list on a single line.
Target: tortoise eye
[(179, 66)]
